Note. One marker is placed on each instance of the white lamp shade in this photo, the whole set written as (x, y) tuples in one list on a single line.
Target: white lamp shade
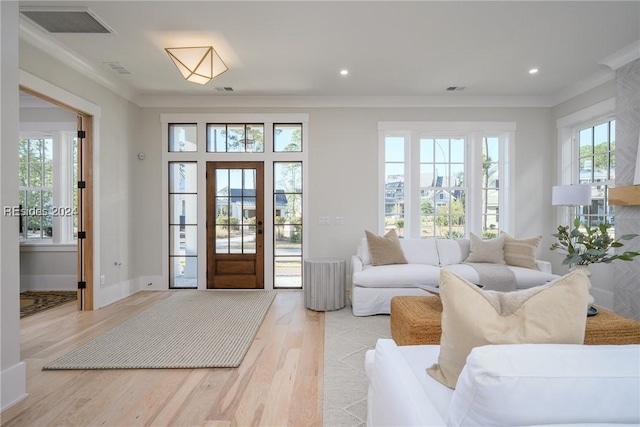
[(571, 195), (197, 64)]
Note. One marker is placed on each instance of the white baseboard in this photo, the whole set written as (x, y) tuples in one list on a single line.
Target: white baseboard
[(109, 294), (48, 283), (14, 385)]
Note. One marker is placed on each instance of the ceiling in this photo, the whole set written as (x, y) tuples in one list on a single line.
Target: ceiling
[(391, 48)]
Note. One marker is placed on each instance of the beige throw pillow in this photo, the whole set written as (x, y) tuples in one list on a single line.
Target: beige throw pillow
[(385, 250), (553, 313), (521, 252), (491, 251)]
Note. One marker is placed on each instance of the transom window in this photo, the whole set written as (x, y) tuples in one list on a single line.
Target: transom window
[(235, 138)]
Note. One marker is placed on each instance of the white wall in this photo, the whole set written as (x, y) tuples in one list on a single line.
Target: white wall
[(12, 371), (113, 157), (343, 168)]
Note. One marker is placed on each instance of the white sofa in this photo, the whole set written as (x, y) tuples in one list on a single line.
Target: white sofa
[(374, 286), (506, 385)]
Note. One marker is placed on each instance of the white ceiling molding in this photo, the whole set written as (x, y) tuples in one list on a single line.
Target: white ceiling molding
[(623, 56), (583, 86), (343, 101), (36, 37)]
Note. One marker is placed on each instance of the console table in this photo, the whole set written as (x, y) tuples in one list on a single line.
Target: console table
[(324, 283)]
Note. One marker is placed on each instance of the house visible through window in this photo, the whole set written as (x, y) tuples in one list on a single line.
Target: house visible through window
[(442, 179)]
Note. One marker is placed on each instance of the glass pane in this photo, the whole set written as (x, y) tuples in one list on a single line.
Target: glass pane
[(249, 239), (48, 174), (441, 174), (249, 183), (222, 182), (47, 147), (491, 149), (288, 241), (457, 150), (223, 209), (235, 138), (255, 139), (183, 137), (35, 149), (394, 149), (249, 210), (457, 175), (288, 177), (585, 138), (183, 240), (235, 184), (442, 150), (35, 175), (217, 138), (288, 272), (222, 239), (183, 209), (183, 177), (287, 138), (426, 150), (183, 272), (427, 226)]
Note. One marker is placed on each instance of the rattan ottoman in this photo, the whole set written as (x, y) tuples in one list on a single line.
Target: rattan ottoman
[(415, 320)]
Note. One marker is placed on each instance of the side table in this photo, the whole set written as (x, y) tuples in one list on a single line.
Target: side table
[(324, 283)]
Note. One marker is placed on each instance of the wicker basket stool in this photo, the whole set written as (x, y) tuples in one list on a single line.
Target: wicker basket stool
[(416, 320)]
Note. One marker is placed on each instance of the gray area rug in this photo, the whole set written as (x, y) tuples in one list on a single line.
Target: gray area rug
[(190, 329), (346, 340)]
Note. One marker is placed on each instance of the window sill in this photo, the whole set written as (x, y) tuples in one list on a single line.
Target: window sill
[(48, 247)]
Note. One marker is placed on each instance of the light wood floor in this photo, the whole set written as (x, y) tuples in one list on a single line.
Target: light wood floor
[(279, 383)]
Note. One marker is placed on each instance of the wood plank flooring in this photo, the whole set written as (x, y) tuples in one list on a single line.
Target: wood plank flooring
[(279, 383)]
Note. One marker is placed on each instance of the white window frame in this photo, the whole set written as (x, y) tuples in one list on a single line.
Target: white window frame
[(63, 187), (568, 149), (472, 132)]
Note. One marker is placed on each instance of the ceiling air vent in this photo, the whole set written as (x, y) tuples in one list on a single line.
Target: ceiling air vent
[(453, 88), (78, 20), (224, 89), (117, 67)]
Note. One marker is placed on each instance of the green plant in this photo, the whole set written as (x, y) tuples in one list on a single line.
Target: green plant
[(591, 245)]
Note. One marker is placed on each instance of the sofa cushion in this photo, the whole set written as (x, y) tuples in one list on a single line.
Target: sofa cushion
[(471, 317), (490, 250), (535, 384), (452, 251), (396, 276), (521, 252), (420, 251), (385, 249)]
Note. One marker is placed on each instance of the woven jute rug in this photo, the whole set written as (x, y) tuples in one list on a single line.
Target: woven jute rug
[(190, 329), (32, 302)]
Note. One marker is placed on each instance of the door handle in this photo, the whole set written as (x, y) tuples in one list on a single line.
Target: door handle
[(259, 231)]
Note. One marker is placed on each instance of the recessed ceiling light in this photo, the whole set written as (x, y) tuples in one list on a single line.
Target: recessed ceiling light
[(344, 72), (533, 71)]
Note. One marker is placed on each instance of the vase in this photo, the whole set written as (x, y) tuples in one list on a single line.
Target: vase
[(584, 268)]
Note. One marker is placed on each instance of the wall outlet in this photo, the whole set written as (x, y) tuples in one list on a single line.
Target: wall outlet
[(339, 220), (324, 220), (102, 279)]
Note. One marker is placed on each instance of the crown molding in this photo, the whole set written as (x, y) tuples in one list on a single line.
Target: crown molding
[(583, 86), (622, 57), (177, 101), (36, 37)]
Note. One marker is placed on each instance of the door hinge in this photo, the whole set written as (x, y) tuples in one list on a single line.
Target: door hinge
[(82, 184), (82, 285), (82, 234), (82, 134)]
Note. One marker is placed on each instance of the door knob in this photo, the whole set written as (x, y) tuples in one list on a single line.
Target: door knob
[(259, 231)]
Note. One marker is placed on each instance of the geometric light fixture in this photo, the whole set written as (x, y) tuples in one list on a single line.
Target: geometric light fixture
[(197, 64)]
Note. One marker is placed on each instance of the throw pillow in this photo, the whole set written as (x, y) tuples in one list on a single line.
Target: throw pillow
[(549, 314), (491, 251), (385, 250), (521, 252)]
